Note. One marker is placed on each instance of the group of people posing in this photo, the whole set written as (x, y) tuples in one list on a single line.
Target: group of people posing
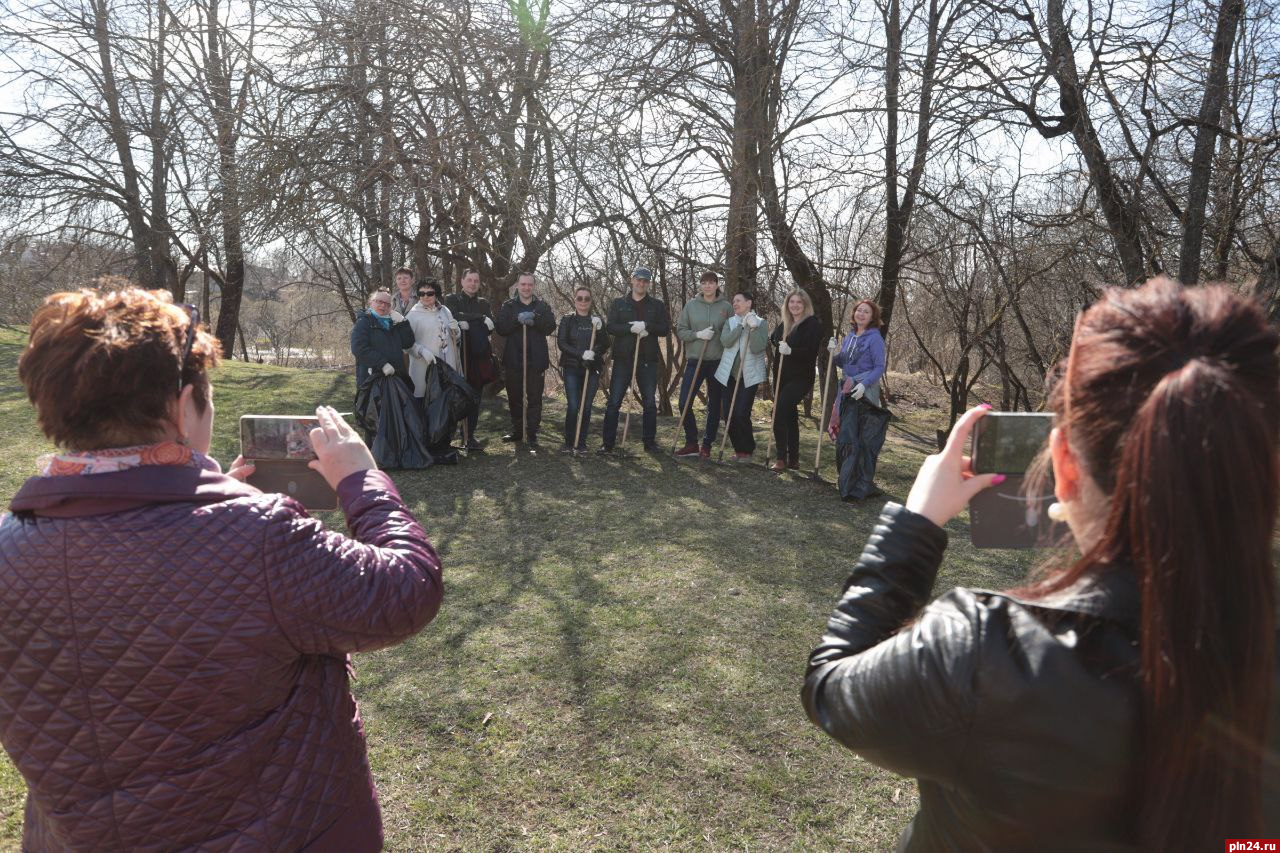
[(725, 343)]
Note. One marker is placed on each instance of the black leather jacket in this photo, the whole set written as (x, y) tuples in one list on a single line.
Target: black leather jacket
[(1021, 720), (574, 338)]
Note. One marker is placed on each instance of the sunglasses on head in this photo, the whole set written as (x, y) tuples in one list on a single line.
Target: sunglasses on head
[(193, 313)]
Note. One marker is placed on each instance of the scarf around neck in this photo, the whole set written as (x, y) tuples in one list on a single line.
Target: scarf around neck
[(109, 459)]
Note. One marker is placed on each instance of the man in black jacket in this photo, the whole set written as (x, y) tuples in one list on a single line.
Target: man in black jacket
[(636, 322), (525, 318), (475, 320)]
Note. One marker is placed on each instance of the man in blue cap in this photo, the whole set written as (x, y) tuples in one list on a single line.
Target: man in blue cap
[(636, 322)]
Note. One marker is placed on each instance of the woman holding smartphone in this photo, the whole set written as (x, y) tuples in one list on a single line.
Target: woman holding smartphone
[(1120, 701), (174, 663)]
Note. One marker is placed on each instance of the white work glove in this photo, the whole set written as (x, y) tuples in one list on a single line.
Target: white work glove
[(751, 320), (455, 326), (464, 325), (642, 334), (637, 327), (706, 334), (388, 370), (588, 355), (832, 346), (858, 391), (596, 323), (488, 323), (784, 347), (423, 353)]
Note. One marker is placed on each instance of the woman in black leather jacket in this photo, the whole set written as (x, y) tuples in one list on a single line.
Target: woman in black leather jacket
[(583, 344), (1122, 702)]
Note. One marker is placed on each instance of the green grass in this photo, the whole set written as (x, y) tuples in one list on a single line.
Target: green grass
[(618, 660)]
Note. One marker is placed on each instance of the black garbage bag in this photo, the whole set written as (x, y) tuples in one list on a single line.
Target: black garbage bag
[(446, 401), (863, 426), (389, 417)]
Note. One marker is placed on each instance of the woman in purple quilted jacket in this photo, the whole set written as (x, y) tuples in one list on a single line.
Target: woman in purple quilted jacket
[(173, 643)]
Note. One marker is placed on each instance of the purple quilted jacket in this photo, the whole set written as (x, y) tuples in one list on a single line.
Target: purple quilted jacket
[(173, 658)]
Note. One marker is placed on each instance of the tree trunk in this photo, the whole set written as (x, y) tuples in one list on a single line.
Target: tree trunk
[(740, 242), (149, 247), (1122, 219), (1267, 287), (1215, 92), (219, 81), (898, 209)]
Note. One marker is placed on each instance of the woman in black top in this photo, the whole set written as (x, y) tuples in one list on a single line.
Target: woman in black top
[(1123, 700), (798, 337), (580, 361)]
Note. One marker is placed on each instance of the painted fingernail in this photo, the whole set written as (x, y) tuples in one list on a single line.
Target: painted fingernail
[(986, 406), (998, 479)]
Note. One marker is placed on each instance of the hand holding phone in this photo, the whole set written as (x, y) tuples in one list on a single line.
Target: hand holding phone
[(946, 482), (1009, 515), (339, 450), (278, 454)]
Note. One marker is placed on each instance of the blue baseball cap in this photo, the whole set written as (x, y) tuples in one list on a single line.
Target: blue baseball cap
[(642, 272)]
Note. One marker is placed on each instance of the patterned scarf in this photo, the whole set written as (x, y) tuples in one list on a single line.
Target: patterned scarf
[(121, 459)]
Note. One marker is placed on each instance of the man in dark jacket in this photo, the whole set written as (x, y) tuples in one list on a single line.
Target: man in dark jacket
[(582, 343), (636, 321), (475, 320), (525, 321)]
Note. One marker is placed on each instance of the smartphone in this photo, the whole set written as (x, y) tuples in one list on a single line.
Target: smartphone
[(279, 446), (1008, 442), (1008, 515)]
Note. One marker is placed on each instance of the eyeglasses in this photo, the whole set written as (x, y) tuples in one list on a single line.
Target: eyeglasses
[(582, 299), (422, 293), (193, 313)]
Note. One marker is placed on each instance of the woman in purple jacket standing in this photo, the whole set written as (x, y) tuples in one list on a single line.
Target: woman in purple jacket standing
[(858, 421), (173, 643), (860, 357)]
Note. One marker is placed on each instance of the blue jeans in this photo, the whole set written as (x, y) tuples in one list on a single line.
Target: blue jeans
[(714, 389), (573, 392), (619, 383)]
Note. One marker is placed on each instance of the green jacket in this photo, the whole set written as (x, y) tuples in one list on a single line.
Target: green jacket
[(696, 315)]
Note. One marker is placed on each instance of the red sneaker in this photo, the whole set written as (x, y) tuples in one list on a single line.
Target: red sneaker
[(704, 453), (741, 457), (688, 451)]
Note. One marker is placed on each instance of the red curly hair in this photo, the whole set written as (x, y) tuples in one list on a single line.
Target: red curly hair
[(102, 366)]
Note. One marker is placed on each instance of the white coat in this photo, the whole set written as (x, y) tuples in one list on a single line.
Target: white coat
[(738, 345), (431, 331)]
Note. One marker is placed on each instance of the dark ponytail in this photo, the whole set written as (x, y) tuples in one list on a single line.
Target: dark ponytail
[(1172, 400)]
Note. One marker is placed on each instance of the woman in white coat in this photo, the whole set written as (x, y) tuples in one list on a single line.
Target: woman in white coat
[(434, 334), (747, 350)]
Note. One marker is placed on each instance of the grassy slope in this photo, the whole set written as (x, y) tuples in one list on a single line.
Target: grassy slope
[(618, 661)]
